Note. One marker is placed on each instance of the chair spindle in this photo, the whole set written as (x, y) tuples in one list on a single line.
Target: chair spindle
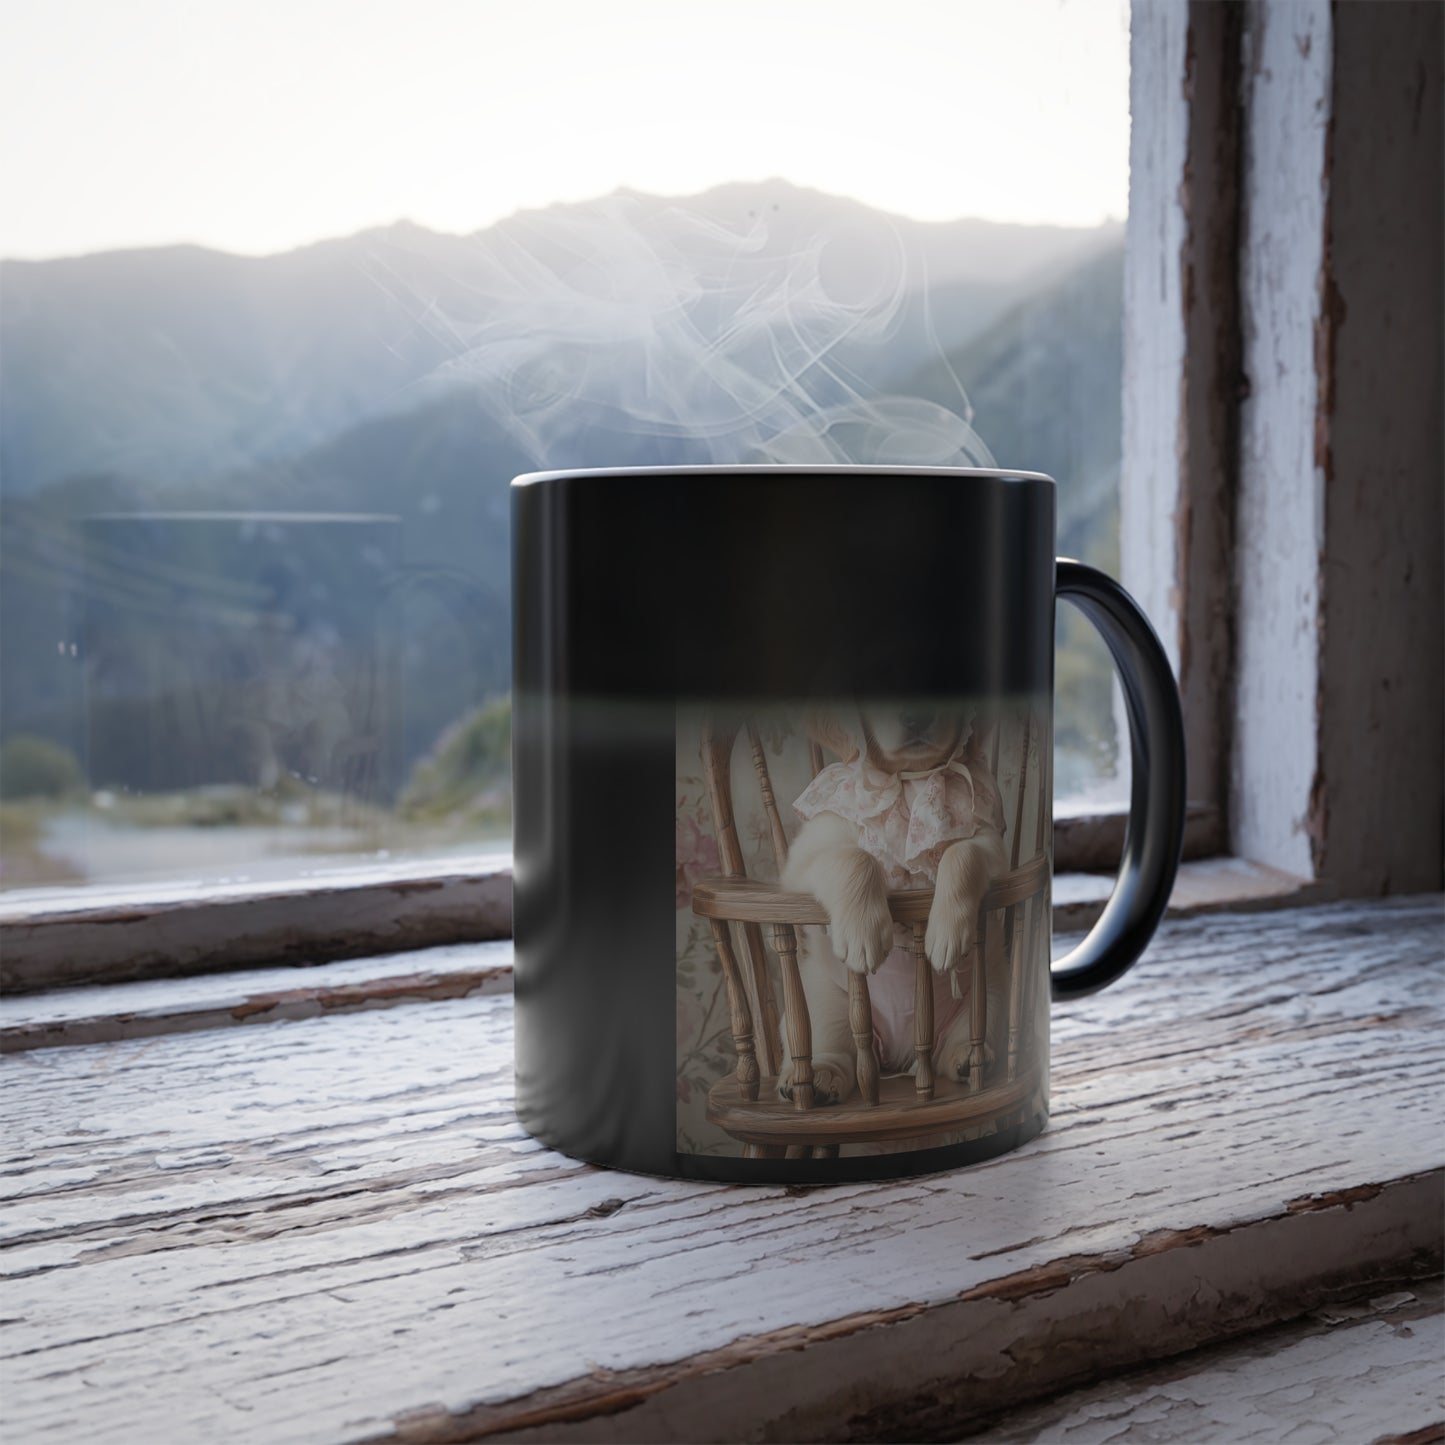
[(795, 1010), (922, 1016), (1020, 959), (1039, 919), (978, 1009), (770, 803), (860, 1021), (1010, 923), (1023, 788), (741, 1014), (716, 750)]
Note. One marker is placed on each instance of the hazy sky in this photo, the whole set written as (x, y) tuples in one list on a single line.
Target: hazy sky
[(256, 125)]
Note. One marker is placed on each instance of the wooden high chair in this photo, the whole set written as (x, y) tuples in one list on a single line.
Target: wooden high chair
[(746, 1104)]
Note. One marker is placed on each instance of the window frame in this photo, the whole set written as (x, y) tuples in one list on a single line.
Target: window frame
[(1184, 365), (147, 931), (1283, 439)]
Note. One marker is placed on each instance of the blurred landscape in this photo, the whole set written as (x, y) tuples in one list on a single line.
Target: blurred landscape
[(253, 512)]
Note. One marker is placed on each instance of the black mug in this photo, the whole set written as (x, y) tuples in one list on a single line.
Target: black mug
[(782, 787)]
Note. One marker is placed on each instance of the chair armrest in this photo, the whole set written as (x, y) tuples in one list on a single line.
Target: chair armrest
[(749, 900)]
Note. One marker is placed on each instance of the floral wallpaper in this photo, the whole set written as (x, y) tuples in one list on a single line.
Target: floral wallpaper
[(705, 1051)]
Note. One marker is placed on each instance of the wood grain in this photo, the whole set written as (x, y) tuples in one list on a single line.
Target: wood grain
[(334, 1230), (1364, 1369), (795, 1014), (739, 1011), (899, 1112), (923, 1080), (770, 803), (103, 1012), (759, 901), (100, 935), (717, 736), (860, 1025)]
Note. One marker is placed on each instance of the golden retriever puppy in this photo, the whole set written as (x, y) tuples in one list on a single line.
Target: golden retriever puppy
[(911, 803)]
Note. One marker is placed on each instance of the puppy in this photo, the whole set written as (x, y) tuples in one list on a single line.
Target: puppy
[(911, 803)]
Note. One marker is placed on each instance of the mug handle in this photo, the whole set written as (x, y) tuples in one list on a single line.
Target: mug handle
[(1155, 832)]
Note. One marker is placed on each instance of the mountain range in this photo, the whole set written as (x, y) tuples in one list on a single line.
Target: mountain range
[(178, 364), (408, 373)]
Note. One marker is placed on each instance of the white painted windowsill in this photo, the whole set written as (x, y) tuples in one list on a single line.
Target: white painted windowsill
[(311, 1215), (57, 938)]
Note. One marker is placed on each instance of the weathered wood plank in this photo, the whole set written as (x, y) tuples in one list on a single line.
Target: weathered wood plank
[(1092, 838), (103, 1013), (79, 938), (1208, 885), (1369, 1371), (1182, 376), (333, 1229), (67, 937), (1281, 512)]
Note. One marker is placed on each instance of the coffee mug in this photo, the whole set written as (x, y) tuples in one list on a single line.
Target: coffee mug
[(782, 788)]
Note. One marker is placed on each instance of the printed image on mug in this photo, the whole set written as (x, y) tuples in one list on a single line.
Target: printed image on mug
[(862, 894)]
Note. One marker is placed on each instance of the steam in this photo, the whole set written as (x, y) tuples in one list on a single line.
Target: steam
[(631, 332)]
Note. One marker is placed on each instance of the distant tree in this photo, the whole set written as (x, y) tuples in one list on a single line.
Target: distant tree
[(467, 770), (32, 767)]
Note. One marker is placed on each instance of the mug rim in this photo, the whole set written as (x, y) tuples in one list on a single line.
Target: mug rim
[(825, 469)]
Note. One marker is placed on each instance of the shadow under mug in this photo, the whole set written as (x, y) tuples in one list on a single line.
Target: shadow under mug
[(782, 754)]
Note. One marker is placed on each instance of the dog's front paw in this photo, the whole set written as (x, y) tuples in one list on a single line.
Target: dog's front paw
[(952, 931), (862, 934), (833, 1080)]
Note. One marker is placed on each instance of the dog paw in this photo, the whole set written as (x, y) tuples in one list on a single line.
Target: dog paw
[(862, 935), (952, 931), (833, 1081), (952, 1062)]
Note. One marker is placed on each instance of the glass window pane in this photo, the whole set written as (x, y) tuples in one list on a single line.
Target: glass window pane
[(256, 435)]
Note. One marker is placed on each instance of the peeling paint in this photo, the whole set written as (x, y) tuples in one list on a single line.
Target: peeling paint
[(1189, 197), (1335, 1199), (196, 1221), (1280, 514), (221, 932), (1041, 1355)]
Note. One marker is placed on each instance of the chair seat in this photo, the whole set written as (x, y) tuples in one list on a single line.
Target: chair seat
[(748, 900), (898, 1114)]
